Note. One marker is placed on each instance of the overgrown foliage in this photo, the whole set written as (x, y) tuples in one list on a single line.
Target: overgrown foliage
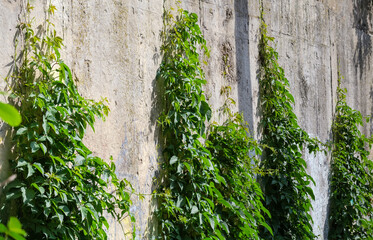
[(203, 193), (62, 191), (351, 195), (287, 193), (184, 212)]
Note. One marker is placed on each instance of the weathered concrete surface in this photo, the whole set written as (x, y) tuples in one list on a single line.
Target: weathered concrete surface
[(113, 48), (8, 21)]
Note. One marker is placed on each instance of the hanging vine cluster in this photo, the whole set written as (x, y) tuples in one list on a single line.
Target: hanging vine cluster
[(288, 193), (61, 190), (208, 190), (351, 184)]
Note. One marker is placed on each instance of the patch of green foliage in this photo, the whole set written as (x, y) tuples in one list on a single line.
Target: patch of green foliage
[(208, 189), (351, 198), (61, 191), (13, 230), (233, 155), (287, 193)]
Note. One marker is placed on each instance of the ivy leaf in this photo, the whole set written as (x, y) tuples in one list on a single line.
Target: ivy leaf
[(45, 125), (3, 229), (39, 167), (212, 223), (60, 216), (65, 210), (180, 202), (15, 229), (194, 210), (21, 131), (34, 147), (21, 162), (10, 114), (40, 189), (173, 160), (225, 227), (84, 212), (190, 169), (27, 195), (43, 147), (205, 110), (79, 160), (30, 170)]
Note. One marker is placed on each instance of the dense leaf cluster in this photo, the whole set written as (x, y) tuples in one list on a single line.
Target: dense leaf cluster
[(351, 195), (287, 193), (62, 191), (208, 190), (240, 204)]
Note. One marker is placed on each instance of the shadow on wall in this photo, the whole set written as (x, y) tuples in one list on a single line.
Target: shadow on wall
[(363, 27), (245, 98), (151, 230)]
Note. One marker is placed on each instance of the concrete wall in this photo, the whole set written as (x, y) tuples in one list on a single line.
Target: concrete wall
[(113, 48)]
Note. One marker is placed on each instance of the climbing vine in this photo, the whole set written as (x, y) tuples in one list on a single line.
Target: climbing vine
[(351, 195), (208, 190), (61, 191), (233, 153), (287, 193)]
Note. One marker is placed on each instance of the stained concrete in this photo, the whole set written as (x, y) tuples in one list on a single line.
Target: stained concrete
[(113, 48)]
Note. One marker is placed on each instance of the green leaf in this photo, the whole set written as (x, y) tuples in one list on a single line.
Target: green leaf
[(173, 160), (34, 147), (205, 110), (225, 227), (187, 165), (43, 147), (180, 168), (59, 216), (21, 162), (10, 115), (212, 223), (16, 236), (27, 195), (84, 213), (194, 210), (79, 160), (15, 226), (40, 189), (30, 170), (225, 203), (39, 167), (65, 210), (21, 131), (3, 229), (180, 202)]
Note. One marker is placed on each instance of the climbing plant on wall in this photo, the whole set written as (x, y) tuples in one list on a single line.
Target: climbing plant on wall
[(62, 191), (184, 211), (207, 192), (287, 193), (351, 198), (234, 154)]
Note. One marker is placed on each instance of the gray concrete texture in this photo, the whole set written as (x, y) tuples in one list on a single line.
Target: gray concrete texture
[(113, 48)]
